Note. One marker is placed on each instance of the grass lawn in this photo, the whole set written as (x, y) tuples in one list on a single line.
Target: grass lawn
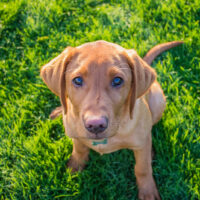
[(34, 150)]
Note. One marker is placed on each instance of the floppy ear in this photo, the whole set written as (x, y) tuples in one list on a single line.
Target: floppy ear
[(142, 77), (53, 74)]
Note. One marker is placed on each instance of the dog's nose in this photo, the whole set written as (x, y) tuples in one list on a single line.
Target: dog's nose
[(96, 124)]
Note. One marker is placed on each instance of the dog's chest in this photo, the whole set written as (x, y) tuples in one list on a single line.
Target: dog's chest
[(111, 145), (114, 143)]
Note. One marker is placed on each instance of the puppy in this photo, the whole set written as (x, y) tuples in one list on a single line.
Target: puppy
[(110, 100)]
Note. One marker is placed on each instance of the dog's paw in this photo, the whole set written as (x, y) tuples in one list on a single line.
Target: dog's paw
[(74, 165), (148, 195), (148, 191)]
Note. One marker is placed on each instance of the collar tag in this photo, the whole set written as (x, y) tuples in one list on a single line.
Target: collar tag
[(95, 143)]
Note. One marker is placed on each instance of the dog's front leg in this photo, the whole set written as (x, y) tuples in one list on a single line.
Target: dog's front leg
[(143, 172), (79, 156)]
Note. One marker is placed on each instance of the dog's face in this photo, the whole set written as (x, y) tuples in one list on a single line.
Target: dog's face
[(98, 81), (98, 84)]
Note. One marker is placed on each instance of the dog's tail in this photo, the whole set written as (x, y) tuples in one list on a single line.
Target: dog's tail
[(158, 49)]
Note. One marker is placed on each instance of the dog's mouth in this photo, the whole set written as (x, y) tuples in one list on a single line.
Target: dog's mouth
[(97, 137), (93, 137)]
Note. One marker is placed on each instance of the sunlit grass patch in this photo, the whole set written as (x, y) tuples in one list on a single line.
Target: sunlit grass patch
[(34, 150)]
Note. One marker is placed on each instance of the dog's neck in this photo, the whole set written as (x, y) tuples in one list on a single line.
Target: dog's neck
[(104, 141)]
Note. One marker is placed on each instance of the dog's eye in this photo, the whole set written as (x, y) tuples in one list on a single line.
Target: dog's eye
[(117, 81), (78, 81)]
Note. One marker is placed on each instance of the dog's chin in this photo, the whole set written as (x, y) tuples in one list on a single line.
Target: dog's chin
[(99, 136), (96, 137)]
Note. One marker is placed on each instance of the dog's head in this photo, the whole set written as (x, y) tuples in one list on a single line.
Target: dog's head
[(98, 84)]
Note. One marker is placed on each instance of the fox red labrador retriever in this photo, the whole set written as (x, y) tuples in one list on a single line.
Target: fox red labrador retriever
[(110, 100)]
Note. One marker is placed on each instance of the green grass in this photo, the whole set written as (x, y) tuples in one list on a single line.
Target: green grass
[(34, 150)]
